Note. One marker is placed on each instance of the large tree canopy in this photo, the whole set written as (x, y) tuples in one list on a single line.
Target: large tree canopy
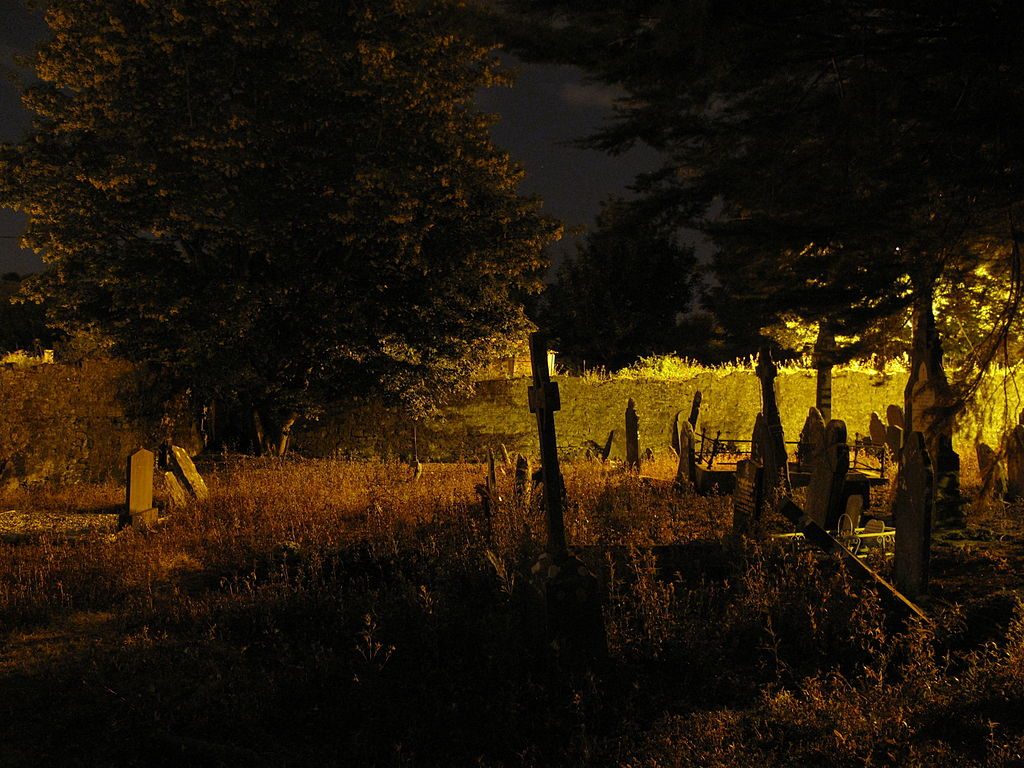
[(863, 151), (280, 200)]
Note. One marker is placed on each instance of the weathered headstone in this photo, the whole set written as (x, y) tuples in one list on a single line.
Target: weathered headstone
[(698, 398), (993, 479), (176, 494), (774, 459), (825, 492), (1015, 464), (488, 490), (522, 481), (676, 420), (686, 472), (894, 416), (812, 440), (632, 436), (877, 430), (574, 621), (894, 440), (758, 438), (139, 509), (823, 359), (614, 447), (747, 497), (187, 474), (912, 515)]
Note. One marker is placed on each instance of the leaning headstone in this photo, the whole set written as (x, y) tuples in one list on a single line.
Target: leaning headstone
[(825, 493), (698, 398), (1015, 464), (614, 447), (993, 479), (877, 430), (176, 494), (747, 497), (139, 509), (812, 440), (686, 472), (675, 431), (632, 436), (758, 438), (187, 474), (912, 515), (894, 416)]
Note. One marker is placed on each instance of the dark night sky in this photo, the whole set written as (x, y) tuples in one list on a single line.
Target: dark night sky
[(548, 107)]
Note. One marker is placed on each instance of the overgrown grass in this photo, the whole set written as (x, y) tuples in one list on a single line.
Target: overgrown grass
[(337, 613)]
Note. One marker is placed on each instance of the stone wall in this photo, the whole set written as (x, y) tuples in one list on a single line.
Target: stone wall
[(71, 423), (66, 423), (498, 414)]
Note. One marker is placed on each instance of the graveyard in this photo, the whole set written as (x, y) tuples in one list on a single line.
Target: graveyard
[(293, 611), (360, 407)]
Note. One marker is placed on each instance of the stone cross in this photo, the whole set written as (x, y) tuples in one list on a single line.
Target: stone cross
[(632, 436), (544, 401), (812, 440), (139, 509), (183, 468), (912, 515), (823, 359), (825, 493), (774, 460), (698, 398)]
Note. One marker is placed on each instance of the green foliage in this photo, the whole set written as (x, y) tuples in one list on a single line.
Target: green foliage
[(278, 202), (620, 296), (858, 151)]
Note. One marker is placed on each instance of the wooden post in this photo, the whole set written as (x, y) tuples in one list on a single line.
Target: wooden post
[(544, 401)]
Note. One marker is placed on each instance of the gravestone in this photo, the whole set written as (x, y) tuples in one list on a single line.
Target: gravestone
[(993, 479), (1015, 464), (747, 497), (488, 490), (948, 502), (176, 494), (894, 440), (877, 430), (698, 398), (614, 447), (894, 416), (758, 438), (675, 431), (912, 515), (774, 458), (632, 436), (575, 624), (686, 472), (812, 440), (139, 510), (522, 481), (183, 468), (828, 477)]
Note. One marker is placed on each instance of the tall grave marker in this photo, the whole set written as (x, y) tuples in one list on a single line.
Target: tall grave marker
[(912, 513), (632, 436), (574, 622), (773, 459)]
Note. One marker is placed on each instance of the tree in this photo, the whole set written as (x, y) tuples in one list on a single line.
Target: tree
[(620, 296), (864, 152), (278, 202)]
